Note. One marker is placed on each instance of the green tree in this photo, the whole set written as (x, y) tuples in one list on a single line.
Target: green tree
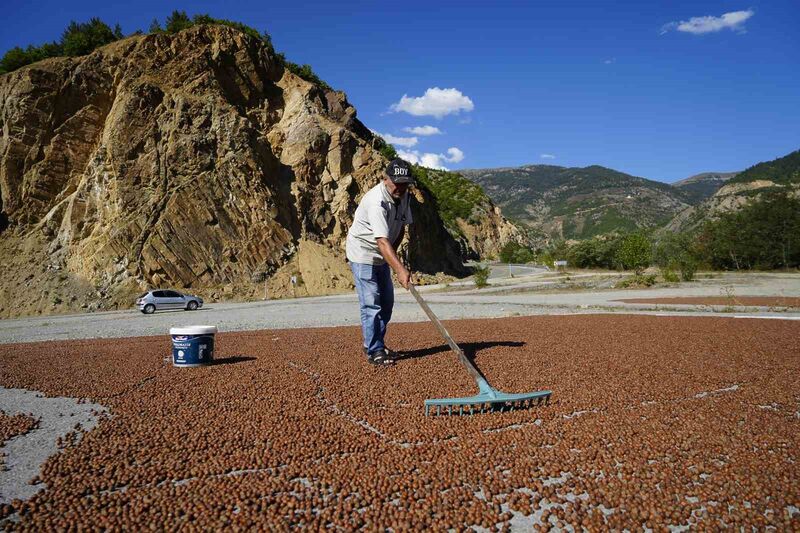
[(764, 234), (177, 21), (635, 252), (514, 252), (587, 253), (597, 252), (82, 38), (76, 40), (558, 251), (14, 59), (155, 27), (677, 251)]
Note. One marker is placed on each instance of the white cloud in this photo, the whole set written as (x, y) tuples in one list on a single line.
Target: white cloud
[(455, 154), (408, 142), (423, 130), (699, 25), (400, 141), (435, 102), (431, 160), (610, 61), (547, 156)]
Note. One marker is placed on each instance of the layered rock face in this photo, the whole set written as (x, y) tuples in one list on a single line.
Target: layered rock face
[(192, 160)]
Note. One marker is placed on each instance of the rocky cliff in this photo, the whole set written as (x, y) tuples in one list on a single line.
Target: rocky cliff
[(193, 160)]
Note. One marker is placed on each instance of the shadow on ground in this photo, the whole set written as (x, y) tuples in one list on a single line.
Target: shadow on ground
[(469, 348), (233, 360)]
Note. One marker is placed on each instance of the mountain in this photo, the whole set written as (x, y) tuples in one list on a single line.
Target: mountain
[(702, 186), (575, 203), (782, 173), (191, 160)]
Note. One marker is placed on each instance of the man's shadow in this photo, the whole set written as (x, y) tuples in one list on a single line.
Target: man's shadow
[(469, 349)]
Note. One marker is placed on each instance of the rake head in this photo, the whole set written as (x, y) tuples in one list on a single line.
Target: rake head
[(489, 400)]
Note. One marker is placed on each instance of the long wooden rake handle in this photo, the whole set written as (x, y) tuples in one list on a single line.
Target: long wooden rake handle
[(476, 375)]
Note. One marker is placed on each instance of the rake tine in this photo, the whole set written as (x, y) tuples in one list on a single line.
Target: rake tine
[(450, 410), (438, 409)]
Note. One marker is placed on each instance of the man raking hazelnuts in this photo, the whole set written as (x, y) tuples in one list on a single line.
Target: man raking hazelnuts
[(372, 242), (378, 229)]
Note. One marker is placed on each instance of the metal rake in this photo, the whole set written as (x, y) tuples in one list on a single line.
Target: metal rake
[(488, 399)]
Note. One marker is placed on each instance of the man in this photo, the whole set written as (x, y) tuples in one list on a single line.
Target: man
[(377, 230)]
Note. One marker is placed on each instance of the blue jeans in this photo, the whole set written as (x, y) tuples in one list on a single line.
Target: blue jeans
[(376, 298)]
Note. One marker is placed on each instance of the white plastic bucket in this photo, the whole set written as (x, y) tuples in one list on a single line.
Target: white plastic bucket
[(193, 345)]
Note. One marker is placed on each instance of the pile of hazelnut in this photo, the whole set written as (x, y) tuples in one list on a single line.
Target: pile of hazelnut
[(13, 425), (653, 422)]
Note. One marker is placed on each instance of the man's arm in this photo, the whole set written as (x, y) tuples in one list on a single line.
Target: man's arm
[(390, 256)]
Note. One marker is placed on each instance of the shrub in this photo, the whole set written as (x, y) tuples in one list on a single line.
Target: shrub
[(635, 252), (637, 280), (81, 38), (481, 275), (669, 275), (305, 72), (77, 39), (545, 258), (688, 268), (385, 149), (514, 252), (599, 252)]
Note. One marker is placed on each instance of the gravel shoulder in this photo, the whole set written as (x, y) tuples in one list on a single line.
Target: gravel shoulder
[(541, 294)]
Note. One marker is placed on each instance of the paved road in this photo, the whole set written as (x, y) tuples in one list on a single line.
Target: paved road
[(513, 270), (520, 296)]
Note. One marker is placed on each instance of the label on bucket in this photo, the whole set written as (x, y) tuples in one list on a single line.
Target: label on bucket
[(192, 350)]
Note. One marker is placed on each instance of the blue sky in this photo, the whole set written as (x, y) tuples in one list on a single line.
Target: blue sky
[(647, 88)]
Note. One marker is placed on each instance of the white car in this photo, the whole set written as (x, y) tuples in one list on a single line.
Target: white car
[(156, 300)]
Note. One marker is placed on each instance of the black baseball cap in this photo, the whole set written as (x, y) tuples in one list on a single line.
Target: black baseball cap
[(399, 172)]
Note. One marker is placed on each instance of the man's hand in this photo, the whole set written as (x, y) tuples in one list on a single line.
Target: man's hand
[(390, 255), (404, 277)]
